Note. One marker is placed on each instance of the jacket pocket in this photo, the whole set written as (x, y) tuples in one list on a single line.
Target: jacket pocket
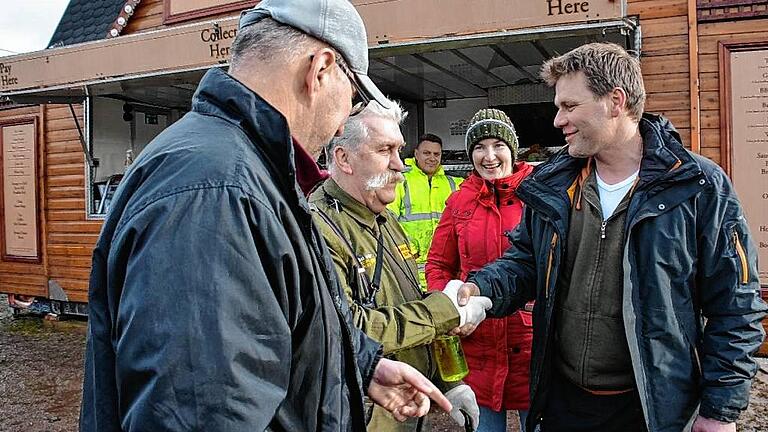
[(469, 242), (526, 317), (741, 254)]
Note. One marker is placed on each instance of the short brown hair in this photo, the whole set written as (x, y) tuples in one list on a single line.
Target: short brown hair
[(605, 66), (431, 138)]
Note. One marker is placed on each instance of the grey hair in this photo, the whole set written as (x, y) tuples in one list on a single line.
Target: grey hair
[(605, 66), (267, 41), (356, 130)]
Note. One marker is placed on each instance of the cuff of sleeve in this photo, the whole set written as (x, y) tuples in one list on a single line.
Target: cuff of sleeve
[(725, 403), (444, 314), (472, 278), (375, 363), (719, 413)]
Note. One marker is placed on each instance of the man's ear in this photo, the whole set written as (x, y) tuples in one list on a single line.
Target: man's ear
[(319, 71), (618, 98), (341, 159)]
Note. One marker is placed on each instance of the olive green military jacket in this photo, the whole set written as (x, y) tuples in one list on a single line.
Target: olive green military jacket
[(403, 319)]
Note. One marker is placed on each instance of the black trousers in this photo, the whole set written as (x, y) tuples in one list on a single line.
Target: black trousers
[(570, 408)]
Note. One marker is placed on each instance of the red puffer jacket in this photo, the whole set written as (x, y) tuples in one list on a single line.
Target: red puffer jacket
[(471, 233)]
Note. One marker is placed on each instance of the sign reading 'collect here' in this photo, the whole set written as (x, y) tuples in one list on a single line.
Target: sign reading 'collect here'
[(749, 129), (19, 191)]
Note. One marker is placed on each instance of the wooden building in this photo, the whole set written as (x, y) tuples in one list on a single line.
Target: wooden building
[(118, 72)]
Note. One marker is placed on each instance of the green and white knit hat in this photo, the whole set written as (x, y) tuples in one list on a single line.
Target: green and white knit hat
[(491, 123)]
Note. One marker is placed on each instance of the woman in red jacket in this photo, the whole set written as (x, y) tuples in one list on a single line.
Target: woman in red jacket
[(471, 233)]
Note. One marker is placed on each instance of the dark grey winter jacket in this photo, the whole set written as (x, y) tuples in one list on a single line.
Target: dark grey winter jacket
[(213, 302), (688, 256)]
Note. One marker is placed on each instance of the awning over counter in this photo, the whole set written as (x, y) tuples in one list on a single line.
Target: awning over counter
[(67, 71), (504, 66)]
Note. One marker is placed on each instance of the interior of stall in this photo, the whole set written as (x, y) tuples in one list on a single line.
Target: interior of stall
[(441, 83)]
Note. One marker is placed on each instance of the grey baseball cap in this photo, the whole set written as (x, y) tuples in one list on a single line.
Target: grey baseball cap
[(335, 22)]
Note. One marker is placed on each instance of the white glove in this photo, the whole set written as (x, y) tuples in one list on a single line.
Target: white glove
[(463, 398), (474, 311)]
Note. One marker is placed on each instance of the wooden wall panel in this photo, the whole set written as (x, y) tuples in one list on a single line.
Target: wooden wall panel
[(667, 26), (753, 26), (70, 236), (659, 83), (665, 60), (709, 81), (680, 118), (710, 119), (664, 65), (665, 45), (652, 9), (149, 16), (711, 153)]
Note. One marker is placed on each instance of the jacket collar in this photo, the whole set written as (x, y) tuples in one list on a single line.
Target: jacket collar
[(663, 153), (357, 210), (504, 187), (308, 173), (221, 95)]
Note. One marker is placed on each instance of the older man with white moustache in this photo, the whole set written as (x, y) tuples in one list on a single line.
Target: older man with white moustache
[(374, 262)]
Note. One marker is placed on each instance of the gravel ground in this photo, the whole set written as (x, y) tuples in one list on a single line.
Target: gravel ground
[(41, 376), (41, 373)]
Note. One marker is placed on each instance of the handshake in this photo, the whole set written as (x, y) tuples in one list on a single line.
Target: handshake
[(472, 313)]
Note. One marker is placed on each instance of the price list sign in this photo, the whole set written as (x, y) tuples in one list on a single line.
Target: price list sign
[(19, 192), (749, 132)]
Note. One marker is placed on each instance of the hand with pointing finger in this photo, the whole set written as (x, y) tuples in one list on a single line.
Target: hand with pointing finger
[(403, 391)]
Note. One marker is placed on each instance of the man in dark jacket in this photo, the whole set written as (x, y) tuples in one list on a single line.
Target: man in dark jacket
[(637, 252), (213, 301)]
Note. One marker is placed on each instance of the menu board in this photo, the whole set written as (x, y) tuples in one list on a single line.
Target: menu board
[(20, 230), (749, 134)]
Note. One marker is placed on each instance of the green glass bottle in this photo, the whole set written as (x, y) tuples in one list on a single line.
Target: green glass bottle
[(449, 357)]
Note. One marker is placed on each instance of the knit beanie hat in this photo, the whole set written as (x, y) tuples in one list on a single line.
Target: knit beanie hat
[(491, 123)]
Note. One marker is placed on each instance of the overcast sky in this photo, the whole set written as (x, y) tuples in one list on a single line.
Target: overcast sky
[(27, 25)]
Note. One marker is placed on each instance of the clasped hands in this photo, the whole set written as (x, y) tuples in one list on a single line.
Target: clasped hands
[(470, 305)]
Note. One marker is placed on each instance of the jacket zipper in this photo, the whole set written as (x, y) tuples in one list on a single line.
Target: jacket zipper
[(602, 229), (549, 263), (742, 257)]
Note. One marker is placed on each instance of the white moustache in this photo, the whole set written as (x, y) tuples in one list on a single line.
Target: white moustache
[(380, 180)]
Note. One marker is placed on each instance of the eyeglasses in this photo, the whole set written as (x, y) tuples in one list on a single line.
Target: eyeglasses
[(359, 98)]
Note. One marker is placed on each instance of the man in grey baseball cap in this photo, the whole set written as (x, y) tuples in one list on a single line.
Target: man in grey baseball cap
[(214, 304)]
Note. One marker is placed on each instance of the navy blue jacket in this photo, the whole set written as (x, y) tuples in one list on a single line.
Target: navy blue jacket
[(688, 255), (213, 305)]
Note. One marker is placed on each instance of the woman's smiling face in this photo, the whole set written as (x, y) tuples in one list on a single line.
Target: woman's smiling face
[(492, 159)]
